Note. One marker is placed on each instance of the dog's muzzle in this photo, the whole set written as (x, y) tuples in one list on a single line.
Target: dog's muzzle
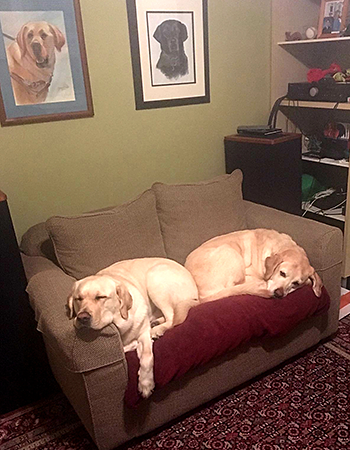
[(278, 293), (84, 319), (173, 45), (41, 62)]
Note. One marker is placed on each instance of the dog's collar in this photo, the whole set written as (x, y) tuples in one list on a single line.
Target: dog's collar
[(34, 87)]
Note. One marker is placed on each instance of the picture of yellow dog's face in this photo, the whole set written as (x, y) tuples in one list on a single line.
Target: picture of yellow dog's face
[(288, 271), (94, 301), (38, 40)]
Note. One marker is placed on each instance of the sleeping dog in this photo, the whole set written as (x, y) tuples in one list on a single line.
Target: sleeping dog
[(258, 262), (135, 294)]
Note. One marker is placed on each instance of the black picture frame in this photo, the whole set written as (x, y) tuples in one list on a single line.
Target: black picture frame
[(166, 74)]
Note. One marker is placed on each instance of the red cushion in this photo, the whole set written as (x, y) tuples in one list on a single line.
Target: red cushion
[(213, 328)]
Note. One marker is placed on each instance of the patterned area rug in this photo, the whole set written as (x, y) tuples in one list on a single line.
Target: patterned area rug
[(303, 405)]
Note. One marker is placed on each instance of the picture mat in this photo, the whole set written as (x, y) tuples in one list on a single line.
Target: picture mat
[(176, 90), (18, 111)]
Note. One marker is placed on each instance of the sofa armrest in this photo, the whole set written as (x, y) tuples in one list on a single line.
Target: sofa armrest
[(36, 264), (79, 350), (322, 243)]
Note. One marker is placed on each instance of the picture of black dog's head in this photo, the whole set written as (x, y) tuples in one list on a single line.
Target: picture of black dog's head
[(173, 62)]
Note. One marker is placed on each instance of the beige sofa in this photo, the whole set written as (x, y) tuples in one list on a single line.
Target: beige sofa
[(166, 220)]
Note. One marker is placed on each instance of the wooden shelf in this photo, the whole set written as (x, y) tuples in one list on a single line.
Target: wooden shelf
[(320, 53), (331, 162), (311, 116), (320, 105), (314, 41)]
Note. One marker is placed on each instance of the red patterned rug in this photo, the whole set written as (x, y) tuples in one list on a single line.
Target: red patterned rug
[(303, 405)]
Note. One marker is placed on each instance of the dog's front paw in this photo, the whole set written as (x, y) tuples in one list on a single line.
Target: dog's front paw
[(155, 335), (157, 332), (146, 387)]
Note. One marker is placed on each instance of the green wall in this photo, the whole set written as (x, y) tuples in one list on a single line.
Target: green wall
[(78, 165)]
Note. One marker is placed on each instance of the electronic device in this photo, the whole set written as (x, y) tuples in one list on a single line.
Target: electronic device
[(266, 131), (259, 131), (321, 91)]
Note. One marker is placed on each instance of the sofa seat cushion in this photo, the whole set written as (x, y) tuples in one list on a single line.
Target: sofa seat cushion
[(214, 328), (190, 214), (90, 242)]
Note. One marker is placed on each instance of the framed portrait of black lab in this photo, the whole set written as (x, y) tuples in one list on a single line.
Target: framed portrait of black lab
[(43, 71), (169, 52)]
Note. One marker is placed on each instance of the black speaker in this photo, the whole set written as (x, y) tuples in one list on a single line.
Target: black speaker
[(271, 169), (25, 375)]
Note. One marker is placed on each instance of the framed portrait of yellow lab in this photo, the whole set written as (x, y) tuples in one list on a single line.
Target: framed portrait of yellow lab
[(43, 71)]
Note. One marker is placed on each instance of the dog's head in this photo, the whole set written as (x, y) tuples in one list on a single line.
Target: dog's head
[(94, 301), (289, 270), (39, 40), (171, 34)]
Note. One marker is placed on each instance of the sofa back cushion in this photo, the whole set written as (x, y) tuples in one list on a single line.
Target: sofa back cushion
[(190, 214), (87, 243)]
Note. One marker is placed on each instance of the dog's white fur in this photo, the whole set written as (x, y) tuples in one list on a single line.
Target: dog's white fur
[(135, 294), (258, 262)]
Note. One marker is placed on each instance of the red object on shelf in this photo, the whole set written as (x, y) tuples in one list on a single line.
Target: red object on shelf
[(317, 74)]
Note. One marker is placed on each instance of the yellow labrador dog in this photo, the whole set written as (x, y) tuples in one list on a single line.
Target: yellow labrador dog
[(31, 61), (135, 294), (258, 262)]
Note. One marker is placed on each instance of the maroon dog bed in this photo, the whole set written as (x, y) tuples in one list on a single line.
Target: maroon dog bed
[(213, 328)]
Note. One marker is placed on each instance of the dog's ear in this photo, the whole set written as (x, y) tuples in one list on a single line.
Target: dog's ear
[(70, 301), (125, 300), (21, 39), (60, 40), (271, 262), (70, 306), (158, 33), (316, 282), (183, 32)]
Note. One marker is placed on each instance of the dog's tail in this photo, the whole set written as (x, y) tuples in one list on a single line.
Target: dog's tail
[(181, 311)]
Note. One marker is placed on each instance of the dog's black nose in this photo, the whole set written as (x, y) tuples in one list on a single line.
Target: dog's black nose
[(84, 319), (278, 293), (36, 49)]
